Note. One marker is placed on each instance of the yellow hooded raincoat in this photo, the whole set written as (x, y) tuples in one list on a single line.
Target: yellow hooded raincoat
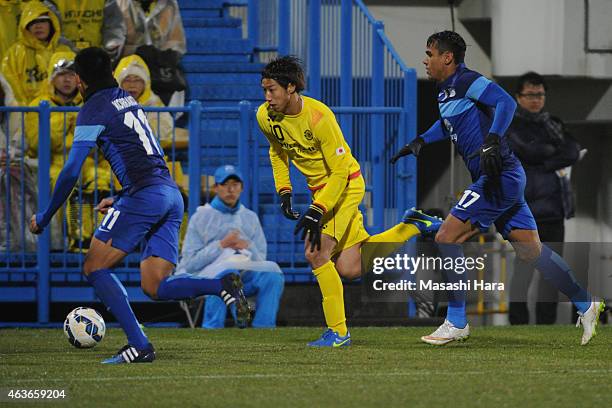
[(25, 63)]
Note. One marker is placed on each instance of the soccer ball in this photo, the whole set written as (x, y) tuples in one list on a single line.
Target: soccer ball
[(84, 327)]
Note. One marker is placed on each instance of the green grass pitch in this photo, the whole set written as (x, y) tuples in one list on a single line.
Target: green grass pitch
[(530, 366)]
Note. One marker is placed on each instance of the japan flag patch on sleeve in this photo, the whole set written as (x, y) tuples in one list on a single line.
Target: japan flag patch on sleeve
[(340, 151)]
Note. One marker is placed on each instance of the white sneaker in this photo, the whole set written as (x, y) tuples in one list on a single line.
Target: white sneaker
[(589, 320), (447, 333)]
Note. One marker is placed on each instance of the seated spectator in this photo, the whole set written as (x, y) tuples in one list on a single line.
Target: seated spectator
[(61, 90), (225, 237), (9, 21), (156, 23), (13, 170), (25, 63), (93, 23)]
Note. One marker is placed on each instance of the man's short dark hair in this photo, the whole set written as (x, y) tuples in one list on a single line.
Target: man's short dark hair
[(448, 41), (286, 70), (93, 65), (530, 78)]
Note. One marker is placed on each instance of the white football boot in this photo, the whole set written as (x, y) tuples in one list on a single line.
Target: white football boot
[(589, 320), (447, 333)]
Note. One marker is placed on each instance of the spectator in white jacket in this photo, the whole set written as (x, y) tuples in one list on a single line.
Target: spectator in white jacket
[(226, 237)]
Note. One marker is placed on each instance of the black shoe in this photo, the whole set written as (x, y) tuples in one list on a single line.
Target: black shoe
[(129, 354), (231, 292)]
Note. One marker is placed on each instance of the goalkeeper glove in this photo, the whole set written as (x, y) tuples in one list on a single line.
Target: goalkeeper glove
[(413, 147), (285, 197), (310, 223)]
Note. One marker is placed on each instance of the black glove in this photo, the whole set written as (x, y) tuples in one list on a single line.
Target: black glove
[(413, 147), (490, 156), (311, 224), (285, 197)]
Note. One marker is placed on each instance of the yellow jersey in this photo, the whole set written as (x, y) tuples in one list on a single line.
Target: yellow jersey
[(313, 141)]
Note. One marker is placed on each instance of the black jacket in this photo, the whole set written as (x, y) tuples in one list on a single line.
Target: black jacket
[(550, 197)]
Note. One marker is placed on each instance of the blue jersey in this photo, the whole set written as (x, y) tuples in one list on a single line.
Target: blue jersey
[(113, 120), (471, 106)]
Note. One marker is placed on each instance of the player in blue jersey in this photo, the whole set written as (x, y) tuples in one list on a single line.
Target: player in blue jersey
[(149, 207), (475, 113)]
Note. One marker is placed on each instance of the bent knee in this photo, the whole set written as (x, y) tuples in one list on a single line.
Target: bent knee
[(90, 267), (443, 237), (270, 281), (150, 289), (275, 279), (316, 259)]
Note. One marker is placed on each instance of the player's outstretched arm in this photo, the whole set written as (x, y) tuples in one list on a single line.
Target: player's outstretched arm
[(64, 185), (433, 134)]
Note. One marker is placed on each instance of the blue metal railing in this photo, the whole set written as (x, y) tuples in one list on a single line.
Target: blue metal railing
[(46, 274), (37, 270)]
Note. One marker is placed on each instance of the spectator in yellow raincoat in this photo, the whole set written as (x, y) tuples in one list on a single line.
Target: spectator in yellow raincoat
[(93, 23), (25, 63), (132, 75), (9, 21)]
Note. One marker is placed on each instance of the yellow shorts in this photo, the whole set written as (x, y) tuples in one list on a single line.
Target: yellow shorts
[(344, 222)]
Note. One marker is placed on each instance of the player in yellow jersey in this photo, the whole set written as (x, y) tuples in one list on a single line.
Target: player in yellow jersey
[(305, 131)]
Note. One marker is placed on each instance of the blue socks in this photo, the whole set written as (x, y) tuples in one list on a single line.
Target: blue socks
[(185, 286), (112, 293), (456, 298), (557, 271)]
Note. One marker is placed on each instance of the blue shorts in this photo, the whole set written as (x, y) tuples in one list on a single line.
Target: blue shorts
[(151, 216), (503, 205)]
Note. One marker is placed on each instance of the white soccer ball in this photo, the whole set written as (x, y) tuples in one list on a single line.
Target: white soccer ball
[(84, 327)]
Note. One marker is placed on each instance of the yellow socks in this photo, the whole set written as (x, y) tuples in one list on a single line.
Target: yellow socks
[(400, 233), (333, 297)]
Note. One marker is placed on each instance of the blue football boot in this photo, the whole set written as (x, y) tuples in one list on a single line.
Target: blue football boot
[(330, 338), (129, 354), (427, 224)]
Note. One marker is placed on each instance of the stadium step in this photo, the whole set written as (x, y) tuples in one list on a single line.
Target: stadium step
[(212, 32), (203, 28), (201, 4), (225, 58), (212, 103), (204, 13), (199, 45), (220, 137), (238, 78), (192, 66), (228, 92), (231, 22)]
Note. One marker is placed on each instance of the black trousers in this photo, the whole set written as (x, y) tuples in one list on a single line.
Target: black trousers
[(552, 234)]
